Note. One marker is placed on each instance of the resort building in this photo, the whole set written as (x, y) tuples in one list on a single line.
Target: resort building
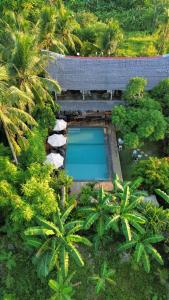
[(110, 74)]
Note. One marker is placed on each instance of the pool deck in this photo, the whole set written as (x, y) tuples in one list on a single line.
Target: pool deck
[(113, 159)]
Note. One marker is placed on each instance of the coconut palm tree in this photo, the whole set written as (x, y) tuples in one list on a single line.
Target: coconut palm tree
[(65, 27), (111, 37), (13, 119), (27, 67), (142, 243), (47, 25), (58, 242), (12, 23)]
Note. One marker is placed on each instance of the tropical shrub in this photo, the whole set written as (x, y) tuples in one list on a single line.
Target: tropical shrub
[(137, 125), (143, 249), (154, 173), (135, 90), (58, 243)]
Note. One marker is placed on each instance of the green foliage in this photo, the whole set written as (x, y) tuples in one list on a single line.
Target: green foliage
[(137, 124), (58, 243), (25, 194), (110, 38), (62, 287), (34, 151), (161, 93), (154, 173), (45, 116), (135, 90), (106, 277), (157, 218), (144, 249)]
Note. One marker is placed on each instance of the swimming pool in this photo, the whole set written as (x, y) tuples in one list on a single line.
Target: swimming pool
[(86, 154)]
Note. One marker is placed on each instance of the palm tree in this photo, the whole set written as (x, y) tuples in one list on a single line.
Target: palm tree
[(65, 27), (58, 243), (14, 120), (105, 278), (27, 66), (62, 287), (143, 249), (12, 23), (47, 25), (110, 38)]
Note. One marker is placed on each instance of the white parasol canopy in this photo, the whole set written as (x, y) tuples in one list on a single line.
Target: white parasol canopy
[(60, 125), (55, 159), (57, 140)]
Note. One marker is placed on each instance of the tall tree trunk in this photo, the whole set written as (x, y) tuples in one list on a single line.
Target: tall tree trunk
[(10, 145)]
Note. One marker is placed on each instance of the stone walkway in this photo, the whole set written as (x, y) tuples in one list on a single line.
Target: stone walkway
[(88, 105)]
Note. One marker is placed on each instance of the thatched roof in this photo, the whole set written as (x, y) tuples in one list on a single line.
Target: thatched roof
[(106, 73)]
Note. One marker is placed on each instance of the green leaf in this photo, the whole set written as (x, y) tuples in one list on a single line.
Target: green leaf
[(53, 285), (79, 239), (155, 254), (43, 265), (67, 213), (162, 195), (138, 227), (126, 246), (125, 197), (154, 239), (34, 242), (49, 225), (91, 219), (139, 251), (146, 261), (38, 231), (134, 217), (64, 261), (112, 221), (76, 255), (126, 229)]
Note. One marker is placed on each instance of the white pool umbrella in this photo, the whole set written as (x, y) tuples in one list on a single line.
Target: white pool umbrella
[(55, 159), (57, 140), (60, 125)]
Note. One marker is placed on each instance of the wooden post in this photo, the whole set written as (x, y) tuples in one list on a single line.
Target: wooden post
[(111, 95), (83, 93)]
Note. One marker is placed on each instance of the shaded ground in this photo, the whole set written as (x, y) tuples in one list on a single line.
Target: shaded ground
[(127, 162)]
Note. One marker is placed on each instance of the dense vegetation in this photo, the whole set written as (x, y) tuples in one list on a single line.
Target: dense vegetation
[(95, 245)]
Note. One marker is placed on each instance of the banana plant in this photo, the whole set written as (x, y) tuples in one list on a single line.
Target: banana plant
[(143, 249), (58, 242), (105, 278), (97, 214), (62, 287), (126, 217)]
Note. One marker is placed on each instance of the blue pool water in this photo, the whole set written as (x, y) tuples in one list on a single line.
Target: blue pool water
[(86, 154)]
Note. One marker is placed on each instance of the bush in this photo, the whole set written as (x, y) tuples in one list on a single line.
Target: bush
[(154, 173), (135, 90), (34, 151)]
